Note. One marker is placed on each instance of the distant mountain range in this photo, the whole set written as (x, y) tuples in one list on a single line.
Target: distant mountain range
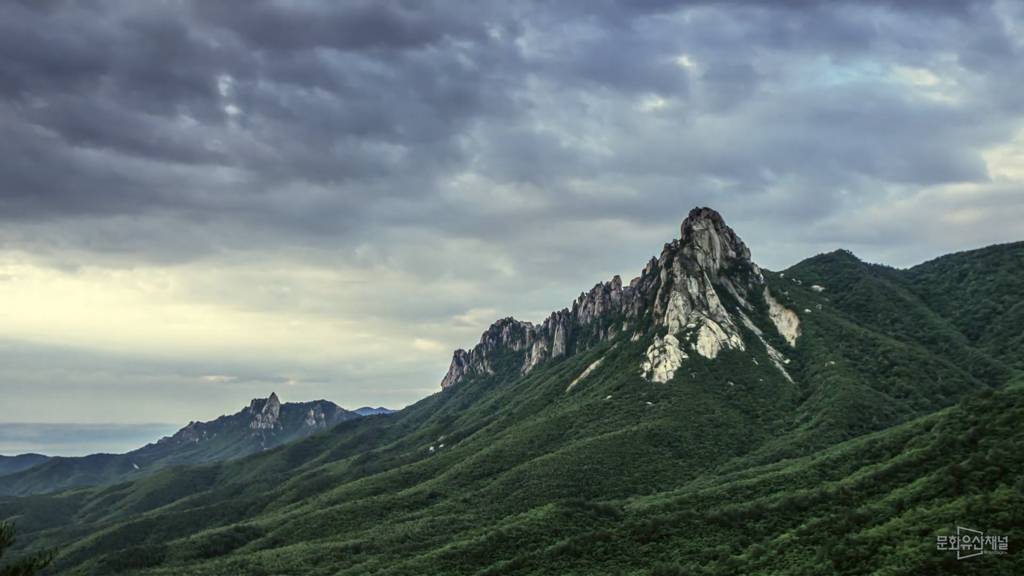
[(708, 417), (368, 411), (264, 424)]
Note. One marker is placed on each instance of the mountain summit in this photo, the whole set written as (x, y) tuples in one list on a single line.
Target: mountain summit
[(706, 239), (265, 412), (691, 299)]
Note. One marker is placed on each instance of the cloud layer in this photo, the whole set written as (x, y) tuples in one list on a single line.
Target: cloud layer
[(329, 196)]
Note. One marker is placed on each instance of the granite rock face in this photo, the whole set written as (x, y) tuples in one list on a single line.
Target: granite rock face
[(786, 321), (706, 240), (265, 413), (662, 359), (677, 301)]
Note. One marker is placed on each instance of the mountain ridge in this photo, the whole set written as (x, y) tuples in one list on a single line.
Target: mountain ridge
[(263, 424), (19, 462), (371, 411), (676, 294)]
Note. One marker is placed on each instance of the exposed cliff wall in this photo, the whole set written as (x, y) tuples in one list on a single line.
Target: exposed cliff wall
[(678, 296)]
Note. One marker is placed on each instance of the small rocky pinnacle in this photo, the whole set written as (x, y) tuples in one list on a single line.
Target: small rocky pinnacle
[(707, 240), (698, 214), (265, 412)]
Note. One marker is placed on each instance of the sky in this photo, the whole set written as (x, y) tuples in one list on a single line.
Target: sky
[(201, 203)]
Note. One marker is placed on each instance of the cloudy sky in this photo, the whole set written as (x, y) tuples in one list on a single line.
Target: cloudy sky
[(201, 203)]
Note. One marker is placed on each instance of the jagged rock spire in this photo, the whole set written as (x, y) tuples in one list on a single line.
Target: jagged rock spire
[(265, 412), (709, 242), (676, 295)]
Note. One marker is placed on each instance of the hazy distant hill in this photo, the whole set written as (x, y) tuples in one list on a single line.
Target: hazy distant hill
[(368, 411), (708, 417), (265, 423), (12, 464)]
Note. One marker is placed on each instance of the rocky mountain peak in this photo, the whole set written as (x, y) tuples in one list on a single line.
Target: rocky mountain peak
[(265, 412), (676, 302), (708, 241)]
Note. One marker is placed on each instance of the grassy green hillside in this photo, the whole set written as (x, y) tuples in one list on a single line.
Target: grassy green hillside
[(896, 426)]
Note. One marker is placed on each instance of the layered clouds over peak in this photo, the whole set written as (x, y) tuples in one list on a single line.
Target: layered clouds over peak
[(325, 195)]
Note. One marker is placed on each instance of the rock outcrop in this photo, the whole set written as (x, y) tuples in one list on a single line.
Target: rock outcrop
[(586, 372), (265, 413), (662, 359), (786, 321), (678, 297)]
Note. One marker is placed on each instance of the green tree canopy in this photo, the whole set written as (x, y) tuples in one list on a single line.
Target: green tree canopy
[(24, 567)]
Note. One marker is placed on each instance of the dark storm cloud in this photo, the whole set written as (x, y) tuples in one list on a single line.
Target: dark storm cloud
[(346, 190), (302, 117), (323, 94), (359, 25), (301, 123)]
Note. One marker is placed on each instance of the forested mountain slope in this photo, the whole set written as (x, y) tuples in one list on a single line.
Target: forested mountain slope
[(708, 417)]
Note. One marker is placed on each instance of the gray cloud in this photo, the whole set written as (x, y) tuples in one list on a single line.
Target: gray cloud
[(206, 108), (500, 156)]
